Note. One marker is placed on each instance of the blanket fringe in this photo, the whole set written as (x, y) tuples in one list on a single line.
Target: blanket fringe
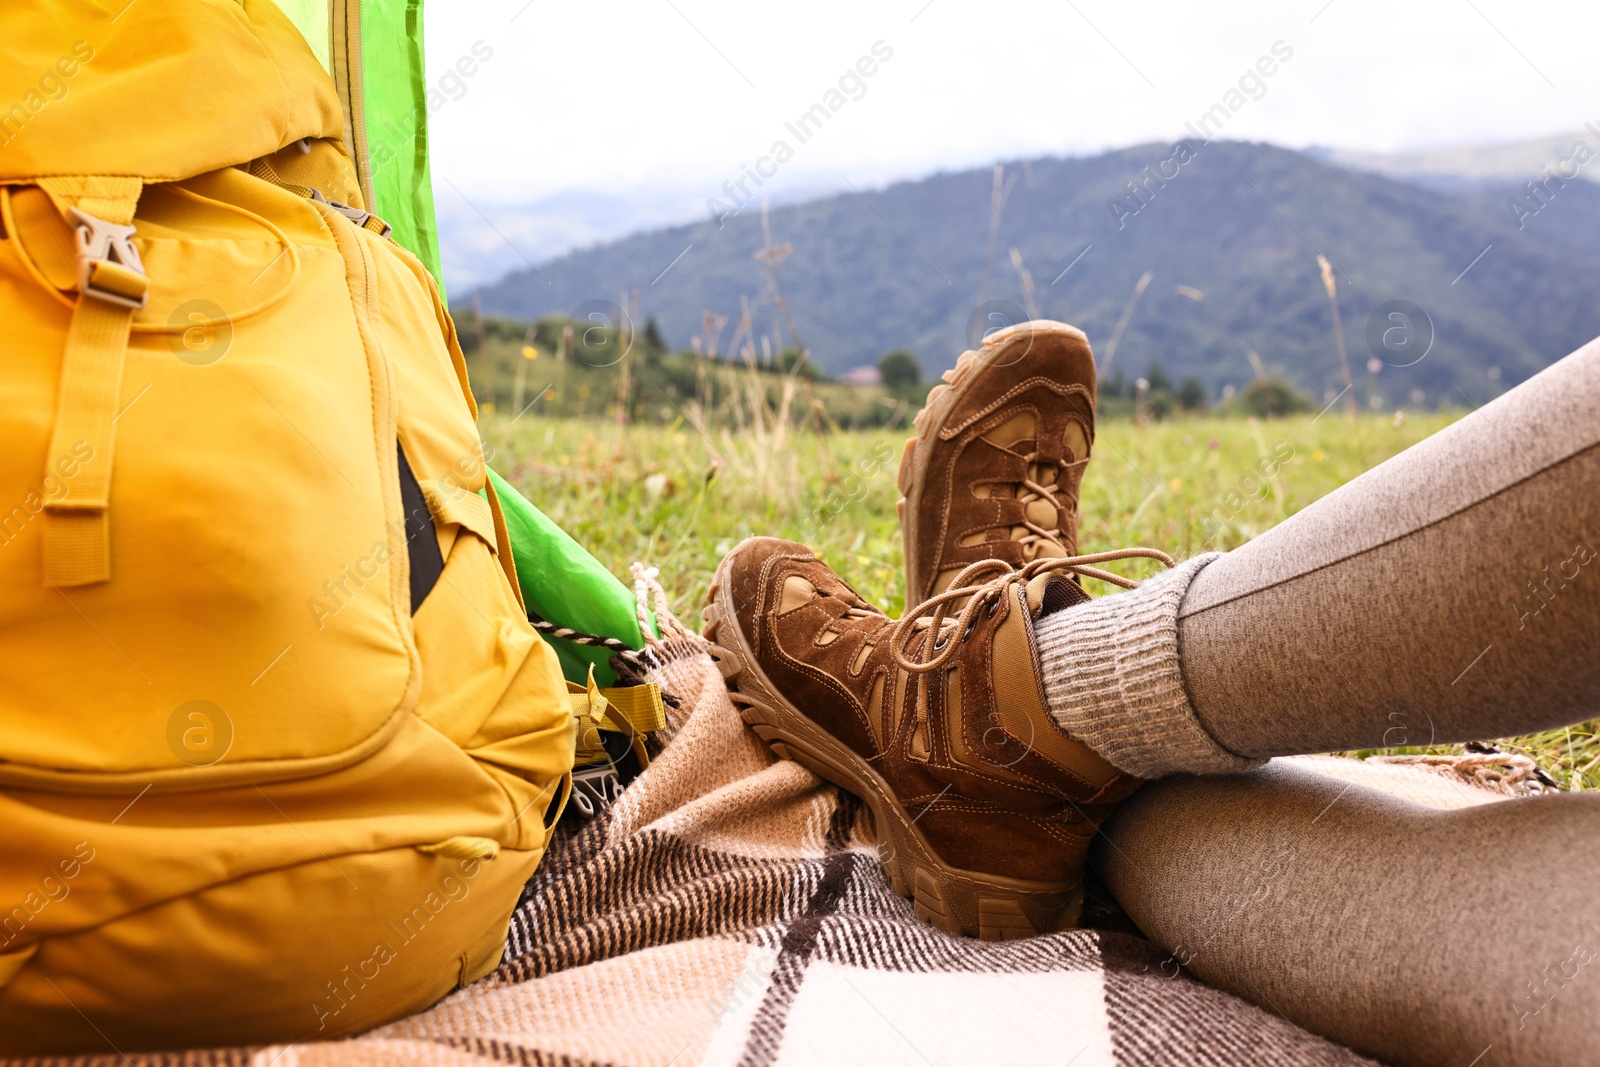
[(1508, 773), (647, 589), (676, 645)]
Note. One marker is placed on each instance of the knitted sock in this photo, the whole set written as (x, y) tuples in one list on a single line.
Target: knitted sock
[(1112, 680)]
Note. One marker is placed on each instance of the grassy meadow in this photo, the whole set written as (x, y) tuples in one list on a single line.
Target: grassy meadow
[(679, 495)]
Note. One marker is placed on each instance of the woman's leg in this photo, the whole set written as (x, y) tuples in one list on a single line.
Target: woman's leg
[(1412, 935), (1450, 594)]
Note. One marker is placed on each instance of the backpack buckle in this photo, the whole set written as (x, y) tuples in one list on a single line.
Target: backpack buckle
[(109, 267), (355, 215)]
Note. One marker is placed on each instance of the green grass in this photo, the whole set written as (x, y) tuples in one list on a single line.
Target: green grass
[(679, 499)]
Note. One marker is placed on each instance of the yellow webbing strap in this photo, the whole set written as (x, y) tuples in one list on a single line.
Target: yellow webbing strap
[(452, 504), (640, 705), (106, 197), (345, 54), (634, 710), (112, 285)]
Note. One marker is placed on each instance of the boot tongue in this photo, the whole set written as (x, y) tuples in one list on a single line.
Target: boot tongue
[(1051, 592), (1043, 550), (1040, 512)]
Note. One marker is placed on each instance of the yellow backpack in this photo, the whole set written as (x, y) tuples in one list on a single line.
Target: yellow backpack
[(277, 742)]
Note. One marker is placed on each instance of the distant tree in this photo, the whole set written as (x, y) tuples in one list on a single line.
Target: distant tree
[(1158, 403), (900, 370), (494, 329), (1191, 395), (790, 361), (1271, 397), (653, 341), (1116, 385), (1157, 378)]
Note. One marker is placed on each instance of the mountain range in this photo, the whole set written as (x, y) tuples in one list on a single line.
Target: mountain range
[(1491, 277)]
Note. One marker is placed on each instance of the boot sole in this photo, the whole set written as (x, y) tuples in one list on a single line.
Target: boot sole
[(942, 400), (990, 907)]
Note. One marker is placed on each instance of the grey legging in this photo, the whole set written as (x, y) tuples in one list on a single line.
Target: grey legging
[(1452, 593)]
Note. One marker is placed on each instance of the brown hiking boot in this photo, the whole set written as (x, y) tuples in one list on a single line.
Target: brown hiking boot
[(994, 470), (984, 808)]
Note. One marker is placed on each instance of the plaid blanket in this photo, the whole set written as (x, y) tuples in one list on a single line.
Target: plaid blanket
[(731, 909)]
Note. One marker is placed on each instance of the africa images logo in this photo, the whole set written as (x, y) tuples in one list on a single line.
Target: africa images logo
[(1251, 85)]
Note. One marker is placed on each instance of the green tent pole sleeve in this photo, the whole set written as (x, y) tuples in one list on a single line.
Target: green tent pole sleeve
[(562, 583)]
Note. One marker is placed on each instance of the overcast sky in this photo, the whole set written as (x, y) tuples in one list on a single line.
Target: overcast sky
[(593, 119), (623, 97)]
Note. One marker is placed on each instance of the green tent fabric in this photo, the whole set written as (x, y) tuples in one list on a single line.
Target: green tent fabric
[(373, 49), (397, 125), (562, 583)]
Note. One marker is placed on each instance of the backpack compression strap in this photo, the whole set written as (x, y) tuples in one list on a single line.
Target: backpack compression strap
[(103, 265)]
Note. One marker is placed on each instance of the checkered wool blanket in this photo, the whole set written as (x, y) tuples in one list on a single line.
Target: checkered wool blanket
[(731, 909)]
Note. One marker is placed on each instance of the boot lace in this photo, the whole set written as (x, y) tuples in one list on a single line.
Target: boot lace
[(932, 618), (855, 610), (1034, 491)]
